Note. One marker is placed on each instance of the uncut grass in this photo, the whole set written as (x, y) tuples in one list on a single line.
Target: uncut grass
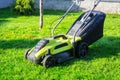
[(17, 33)]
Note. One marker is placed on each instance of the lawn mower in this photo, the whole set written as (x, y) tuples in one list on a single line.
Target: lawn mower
[(87, 29)]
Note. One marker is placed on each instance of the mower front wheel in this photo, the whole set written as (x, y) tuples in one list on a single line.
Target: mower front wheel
[(26, 53), (48, 61), (82, 49)]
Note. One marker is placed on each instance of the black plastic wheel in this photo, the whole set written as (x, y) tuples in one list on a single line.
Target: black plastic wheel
[(26, 53), (48, 61), (82, 49)]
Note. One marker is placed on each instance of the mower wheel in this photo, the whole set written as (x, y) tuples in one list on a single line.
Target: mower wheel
[(48, 61), (82, 49), (26, 53)]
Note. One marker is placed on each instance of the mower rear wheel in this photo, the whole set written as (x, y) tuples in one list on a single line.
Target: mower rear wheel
[(26, 53), (48, 61), (82, 49)]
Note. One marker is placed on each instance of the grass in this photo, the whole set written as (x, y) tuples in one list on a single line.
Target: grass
[(17, 33)]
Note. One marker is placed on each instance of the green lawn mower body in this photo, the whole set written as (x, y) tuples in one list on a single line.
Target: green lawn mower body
[(87, 29), (57, 49)]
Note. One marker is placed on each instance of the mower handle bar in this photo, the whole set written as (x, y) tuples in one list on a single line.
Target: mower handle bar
[(58, 36), (63, 17), (96, 2)]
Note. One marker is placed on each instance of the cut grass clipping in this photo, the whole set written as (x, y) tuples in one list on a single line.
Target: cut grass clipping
[(17, 33)]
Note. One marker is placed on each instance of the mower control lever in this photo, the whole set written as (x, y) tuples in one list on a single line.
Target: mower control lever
[(58, 36)]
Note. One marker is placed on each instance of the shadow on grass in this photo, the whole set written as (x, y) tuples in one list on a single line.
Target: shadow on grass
[(9, 44), (106, 47), (9, 13), (56, 12), (3, 21)]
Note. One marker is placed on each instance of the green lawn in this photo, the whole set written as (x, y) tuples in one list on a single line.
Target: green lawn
[(17, 33)]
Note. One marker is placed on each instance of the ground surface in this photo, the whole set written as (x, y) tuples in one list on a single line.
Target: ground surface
[(17, 33)]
